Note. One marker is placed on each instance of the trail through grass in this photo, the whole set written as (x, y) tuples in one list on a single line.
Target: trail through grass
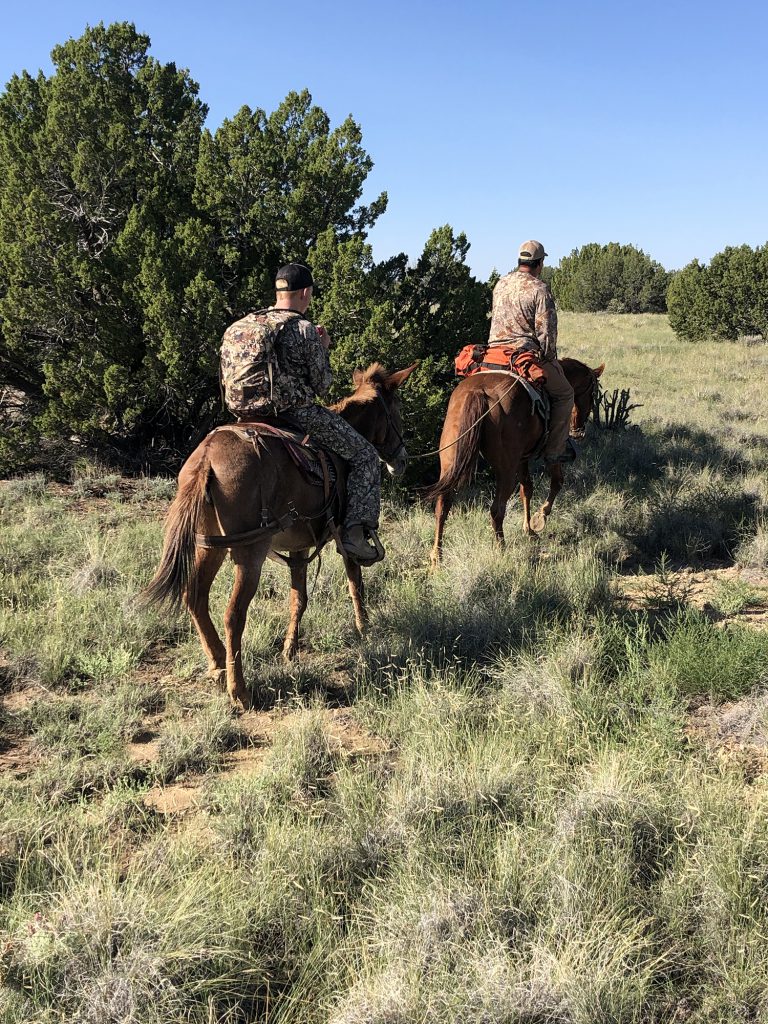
[(536, 792)]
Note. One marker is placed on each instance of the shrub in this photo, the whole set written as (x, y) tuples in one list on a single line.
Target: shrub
[(613, 278), (725, 300)]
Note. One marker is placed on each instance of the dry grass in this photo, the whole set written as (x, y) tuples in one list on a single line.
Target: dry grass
[(528, 825)]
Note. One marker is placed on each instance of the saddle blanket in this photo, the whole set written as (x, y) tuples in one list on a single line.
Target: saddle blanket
[(303, 452)]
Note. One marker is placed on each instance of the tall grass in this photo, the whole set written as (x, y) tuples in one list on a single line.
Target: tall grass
[(540, 839)]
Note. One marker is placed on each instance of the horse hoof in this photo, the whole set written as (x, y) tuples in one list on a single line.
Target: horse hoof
[(218, 677), (538, 522), (243, 699)]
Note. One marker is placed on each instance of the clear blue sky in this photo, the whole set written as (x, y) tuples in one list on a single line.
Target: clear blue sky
[(570, 123)]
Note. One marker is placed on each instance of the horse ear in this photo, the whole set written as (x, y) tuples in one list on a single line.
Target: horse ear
[(394, 380), (599, 369), (358, 376)]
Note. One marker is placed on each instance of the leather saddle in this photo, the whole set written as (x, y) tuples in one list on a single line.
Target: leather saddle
[(317, 464)]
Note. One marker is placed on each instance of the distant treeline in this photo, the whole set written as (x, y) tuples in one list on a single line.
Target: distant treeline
[(130, 236)]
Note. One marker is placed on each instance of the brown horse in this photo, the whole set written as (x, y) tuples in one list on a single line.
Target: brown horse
[(230, 487), (490, 413)]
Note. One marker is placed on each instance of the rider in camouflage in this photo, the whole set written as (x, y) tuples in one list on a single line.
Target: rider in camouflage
[(524, 317), (303, 374)]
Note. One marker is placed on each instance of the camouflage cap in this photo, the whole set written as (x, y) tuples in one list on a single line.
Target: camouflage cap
[(293, 278), (532, 250)]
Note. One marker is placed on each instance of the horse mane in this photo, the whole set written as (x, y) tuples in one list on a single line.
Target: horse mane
[(365, 391)]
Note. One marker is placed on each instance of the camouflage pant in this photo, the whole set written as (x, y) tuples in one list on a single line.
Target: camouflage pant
[(561, 396), (364, 477)]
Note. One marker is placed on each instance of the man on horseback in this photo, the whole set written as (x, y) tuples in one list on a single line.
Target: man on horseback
[(524, 317), (275, 362)]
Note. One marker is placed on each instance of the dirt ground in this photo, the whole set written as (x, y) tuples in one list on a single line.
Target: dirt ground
[(710, 590)]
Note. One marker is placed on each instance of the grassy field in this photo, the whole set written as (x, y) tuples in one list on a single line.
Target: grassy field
[(536, 792)]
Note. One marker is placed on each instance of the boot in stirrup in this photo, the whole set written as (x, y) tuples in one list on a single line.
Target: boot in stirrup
[(361, 544)]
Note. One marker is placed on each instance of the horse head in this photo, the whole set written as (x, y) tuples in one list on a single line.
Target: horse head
[(585, 391), (374, 411)]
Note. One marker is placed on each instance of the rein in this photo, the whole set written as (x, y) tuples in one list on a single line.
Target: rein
[(391, 424), (490, 408), (436, 451)]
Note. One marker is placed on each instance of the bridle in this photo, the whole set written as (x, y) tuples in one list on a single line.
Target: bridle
[(400, 451)]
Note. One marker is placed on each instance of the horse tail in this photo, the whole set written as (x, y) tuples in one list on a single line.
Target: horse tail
[(462, 460), (175, 576)]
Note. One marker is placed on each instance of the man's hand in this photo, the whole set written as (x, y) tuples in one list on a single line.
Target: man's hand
[(324, 336)]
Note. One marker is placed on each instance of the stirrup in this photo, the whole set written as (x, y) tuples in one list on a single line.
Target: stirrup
[(373, 548), (571, 453)]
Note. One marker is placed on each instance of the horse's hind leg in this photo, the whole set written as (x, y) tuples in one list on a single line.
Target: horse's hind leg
[(499, 507), (555, 484), (442, 508), (526, 493), (248, 562), (298, 605), (207, 564)]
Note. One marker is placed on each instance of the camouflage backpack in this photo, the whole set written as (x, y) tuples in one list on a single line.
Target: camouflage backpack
[(249, 365)]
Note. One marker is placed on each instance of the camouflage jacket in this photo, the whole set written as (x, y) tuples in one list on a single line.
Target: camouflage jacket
[(302, 372), (524, 314)]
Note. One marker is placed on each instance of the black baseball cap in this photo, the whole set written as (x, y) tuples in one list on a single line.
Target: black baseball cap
[(293, 277)]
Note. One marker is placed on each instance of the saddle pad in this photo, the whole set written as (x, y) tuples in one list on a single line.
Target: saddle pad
[(303, 454)]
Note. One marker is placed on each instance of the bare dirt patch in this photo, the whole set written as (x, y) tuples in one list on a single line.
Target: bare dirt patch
[(710, 590), (737, 730), (18, 753), (19, 757), (259, 727)]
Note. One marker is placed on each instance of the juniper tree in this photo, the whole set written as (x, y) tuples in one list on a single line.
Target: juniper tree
[(130, 236), (618, 278)]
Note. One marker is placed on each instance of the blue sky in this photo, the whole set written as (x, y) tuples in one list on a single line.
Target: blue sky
[(570, 123)]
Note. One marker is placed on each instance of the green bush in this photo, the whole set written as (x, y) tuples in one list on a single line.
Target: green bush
[(130, 236), (612, 278), (725, 300), (128, 242)]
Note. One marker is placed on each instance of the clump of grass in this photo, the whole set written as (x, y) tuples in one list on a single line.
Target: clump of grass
[(298, 770), (85, 725), (734, 596), (23, 489), (696, 657), (90, 479), (752, 552), (154, 488), (197, 741), (695, 513)]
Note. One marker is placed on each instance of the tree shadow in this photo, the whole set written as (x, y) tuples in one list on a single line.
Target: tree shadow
[(681, 492)]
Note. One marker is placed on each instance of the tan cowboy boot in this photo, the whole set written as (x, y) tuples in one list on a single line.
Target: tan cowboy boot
[(361, 544)]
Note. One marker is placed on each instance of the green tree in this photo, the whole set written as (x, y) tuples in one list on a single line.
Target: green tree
[(267, 188), (689, 302), (398, 314), (725, 299), (615, 278), (130, 237), (97, 168)]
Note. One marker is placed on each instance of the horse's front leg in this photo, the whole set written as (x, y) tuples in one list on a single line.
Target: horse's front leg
[(355, 578), (442, 508), (555, 484), (526, 493), (248, 563), (207, 564), (298, 604)]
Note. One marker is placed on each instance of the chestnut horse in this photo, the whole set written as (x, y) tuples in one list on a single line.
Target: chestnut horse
[(491, 413), (231, 487)]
